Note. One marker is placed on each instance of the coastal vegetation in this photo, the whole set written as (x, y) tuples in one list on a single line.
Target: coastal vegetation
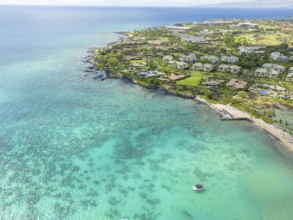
[(245, 63)]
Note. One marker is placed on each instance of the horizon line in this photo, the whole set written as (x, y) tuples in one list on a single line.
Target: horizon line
[(149, 6)]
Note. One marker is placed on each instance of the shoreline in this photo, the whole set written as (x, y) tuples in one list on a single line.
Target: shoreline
[(226, 112), (283, 137)]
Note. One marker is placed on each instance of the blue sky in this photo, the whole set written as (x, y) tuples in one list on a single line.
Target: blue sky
[(236, 3)]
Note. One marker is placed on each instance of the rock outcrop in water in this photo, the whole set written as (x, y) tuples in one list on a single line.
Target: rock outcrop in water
[(92, 71)]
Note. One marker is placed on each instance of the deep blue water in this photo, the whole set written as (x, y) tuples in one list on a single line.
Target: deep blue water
[(28, 31), (75, 148)]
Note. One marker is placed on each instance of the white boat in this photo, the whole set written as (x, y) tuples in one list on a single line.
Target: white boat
[(198, 187)]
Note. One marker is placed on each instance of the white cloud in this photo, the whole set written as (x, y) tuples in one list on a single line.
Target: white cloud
[(240, 3)]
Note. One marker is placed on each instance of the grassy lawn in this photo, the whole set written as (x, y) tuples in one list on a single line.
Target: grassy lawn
[(264, 39), (270, 27), (113, 59), (198, 73), (191, 81), (217, 75)]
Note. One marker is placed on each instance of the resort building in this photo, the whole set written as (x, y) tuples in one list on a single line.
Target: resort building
[(224, 68), (208, 67), (261, 72), (139, 66), (267, 66), (144, 74), (167, 59), (235, 69), (276, 56), (230, 59), (178, 64), (188, 58), (177, 28), (182, 65), (197, 66), (212, 59), (247, 50), (289, 77), (150, 74), (276, 67), (213, 22), (273, 73), (196, 39)]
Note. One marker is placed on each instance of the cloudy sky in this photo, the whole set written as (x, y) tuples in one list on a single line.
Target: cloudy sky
[(224, 3)]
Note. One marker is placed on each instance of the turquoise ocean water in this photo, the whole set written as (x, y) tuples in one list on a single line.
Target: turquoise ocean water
[(75, 148)]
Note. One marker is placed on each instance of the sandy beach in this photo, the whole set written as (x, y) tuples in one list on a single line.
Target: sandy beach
[(230, 112)]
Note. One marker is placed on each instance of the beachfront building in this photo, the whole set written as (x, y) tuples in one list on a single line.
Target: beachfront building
[(277, 56), (208, 67), (236, 84), (188, 58), (211, 59), (197, 66), (149, 74), (230, 59)]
